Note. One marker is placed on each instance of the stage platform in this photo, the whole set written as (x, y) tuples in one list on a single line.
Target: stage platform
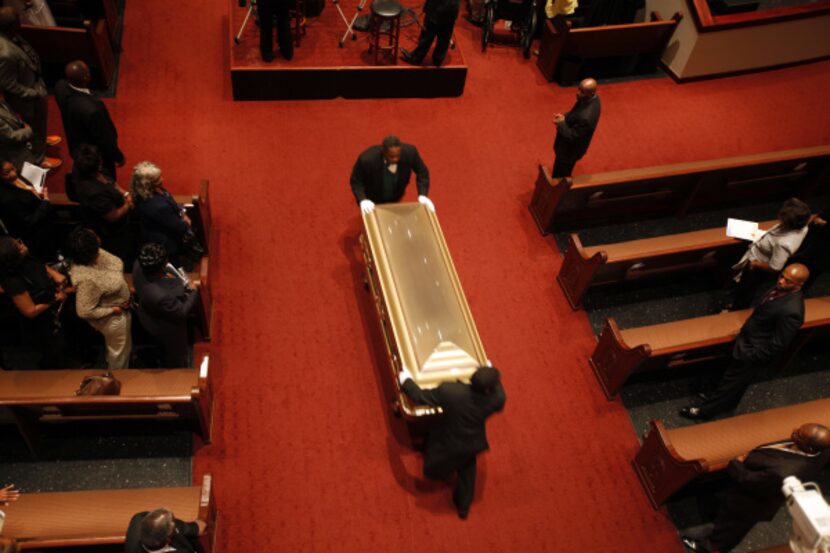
[(322, 70)]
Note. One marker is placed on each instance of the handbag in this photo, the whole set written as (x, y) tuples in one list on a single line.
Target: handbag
[(99, 385)]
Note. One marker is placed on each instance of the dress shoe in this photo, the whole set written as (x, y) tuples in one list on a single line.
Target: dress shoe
[(693, 413), (694, 544), (53, 140), (51, 163), (267, 56), (406, 56)]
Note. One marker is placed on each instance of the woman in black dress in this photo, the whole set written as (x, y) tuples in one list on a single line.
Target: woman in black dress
[(25, 212)]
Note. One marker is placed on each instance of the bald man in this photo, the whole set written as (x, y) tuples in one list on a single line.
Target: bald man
[(575, 129), (160, 531), (86, 119), (754, 494), (765, 335)]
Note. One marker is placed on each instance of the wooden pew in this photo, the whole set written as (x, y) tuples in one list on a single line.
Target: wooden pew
[(196, 206), (621, 353), (648, 39), (670, 459), (674, 190), (35, 397), (100, 517), (60, 45), (584, 268)]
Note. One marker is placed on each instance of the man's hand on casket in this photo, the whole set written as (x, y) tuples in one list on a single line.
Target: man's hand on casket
[(404, 375), (427, 203), (367, 206)]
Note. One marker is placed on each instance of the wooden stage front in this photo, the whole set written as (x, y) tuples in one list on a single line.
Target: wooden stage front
[(322, 70)]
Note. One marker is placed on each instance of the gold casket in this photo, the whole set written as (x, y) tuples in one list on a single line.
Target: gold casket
[(423, 314)]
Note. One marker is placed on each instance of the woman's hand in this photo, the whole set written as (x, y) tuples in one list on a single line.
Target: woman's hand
[(117, 311), (45, 194), (186, 219), (8, 494), (60, 295)]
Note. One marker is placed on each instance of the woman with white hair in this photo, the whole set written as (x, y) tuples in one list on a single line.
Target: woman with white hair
[(163, 221)]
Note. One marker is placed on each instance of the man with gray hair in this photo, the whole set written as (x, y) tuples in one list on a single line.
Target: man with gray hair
[(160, 532), (381, 174)]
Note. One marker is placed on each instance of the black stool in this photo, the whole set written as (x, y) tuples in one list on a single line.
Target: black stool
[(385, 22)]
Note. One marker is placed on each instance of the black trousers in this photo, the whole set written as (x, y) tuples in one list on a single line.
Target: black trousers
[(440, 463), (34, 111), (562, 168), (731, 387), (432, 31), (728, 533), (268, 10)]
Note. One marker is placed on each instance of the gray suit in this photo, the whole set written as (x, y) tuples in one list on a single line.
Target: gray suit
[(15, 138), (163, 307), (22, 83)]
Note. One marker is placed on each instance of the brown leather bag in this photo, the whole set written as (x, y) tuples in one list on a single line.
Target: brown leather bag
[(99, 385)]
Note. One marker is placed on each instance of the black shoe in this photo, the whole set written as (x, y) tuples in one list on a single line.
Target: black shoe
[(406, 56), (694, 413), (703, 395), (268, 56), (694, 544), (437, 63), (462, 511)]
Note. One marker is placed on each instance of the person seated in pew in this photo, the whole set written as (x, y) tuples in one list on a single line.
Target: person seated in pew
[(764, 259), (165, 301), (765, 335), (105, 205), (162, 220), (754, 492), (160, 532), (102, 295), (26, 213), (38, 293)]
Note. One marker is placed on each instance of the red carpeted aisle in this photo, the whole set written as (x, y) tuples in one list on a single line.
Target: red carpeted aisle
[(306, 456)]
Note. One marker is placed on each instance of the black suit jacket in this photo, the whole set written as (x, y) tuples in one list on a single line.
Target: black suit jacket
[(755, 493), (184, 539), (367, 173), (770, 329), (461, 429), (86, 120), (573, 135)]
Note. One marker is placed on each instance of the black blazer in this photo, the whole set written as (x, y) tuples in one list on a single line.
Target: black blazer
[(86, 120), (161, 221), (574, 134), (184, 538), (461, 429), (367, 174), (755, 493), (770, 329)]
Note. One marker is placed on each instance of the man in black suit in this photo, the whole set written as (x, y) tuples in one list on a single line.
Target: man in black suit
[(86, 119), (754, 494), (766, 334), (269, 10), (159, 530), (165, 301), (575, 129), (381, 174), (439, 21), (459, 436)]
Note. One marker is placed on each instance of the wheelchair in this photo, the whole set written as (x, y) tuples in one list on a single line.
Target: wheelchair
[(524, 18)]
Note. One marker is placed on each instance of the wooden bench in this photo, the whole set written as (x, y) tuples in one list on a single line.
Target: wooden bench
[(608, 41), (674, 190), (90, 43), (584, 268), (35, 397), (621, 353), (100, 517), (670, 459)]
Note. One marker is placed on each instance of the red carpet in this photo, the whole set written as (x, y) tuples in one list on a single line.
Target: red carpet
[(306, 456)]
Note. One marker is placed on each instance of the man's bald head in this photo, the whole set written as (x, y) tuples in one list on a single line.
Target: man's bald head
[(587, 89), (156, 529), (77, 73), (793, 277), (812, 437), (9, 20)]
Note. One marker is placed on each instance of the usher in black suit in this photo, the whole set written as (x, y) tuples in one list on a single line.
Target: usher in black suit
[(453, 443), (86, 120), (368, 175), (766, 334), (755, 492), (573, 135), (184, 538)]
